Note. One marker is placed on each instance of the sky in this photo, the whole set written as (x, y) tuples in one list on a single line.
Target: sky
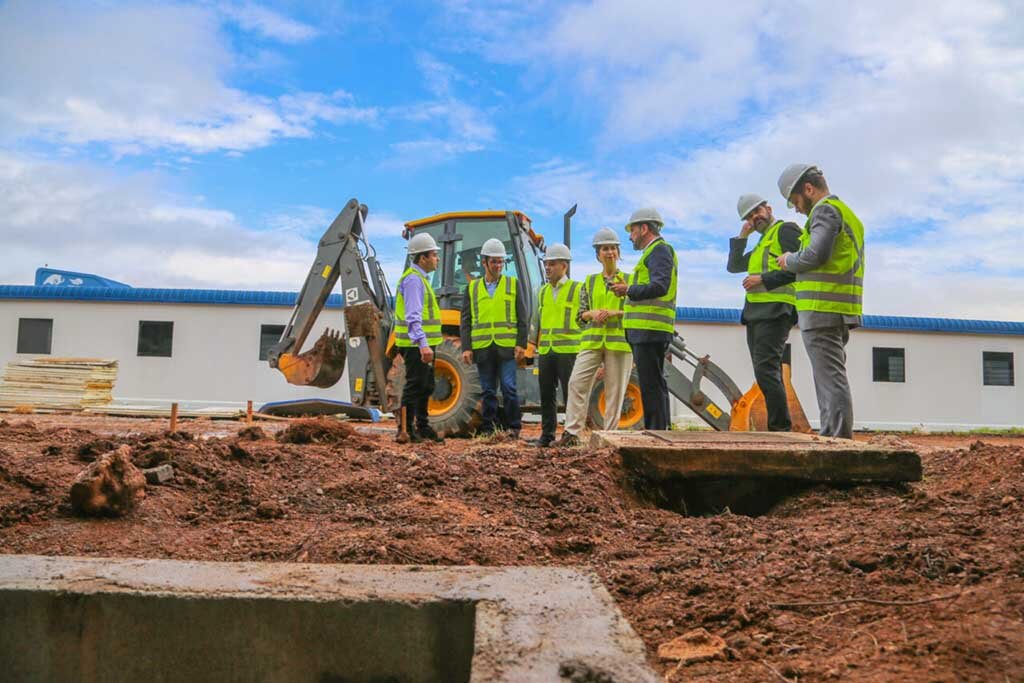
[(210, 144)]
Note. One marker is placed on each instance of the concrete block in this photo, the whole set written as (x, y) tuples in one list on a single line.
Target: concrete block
[(767, 455), (88, 619), (160, 474)]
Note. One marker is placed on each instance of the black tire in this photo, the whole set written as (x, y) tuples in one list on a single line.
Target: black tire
[(632, 409), (461, 413)]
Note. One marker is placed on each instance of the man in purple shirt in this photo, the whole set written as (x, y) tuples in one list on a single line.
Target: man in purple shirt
[(417, 333)]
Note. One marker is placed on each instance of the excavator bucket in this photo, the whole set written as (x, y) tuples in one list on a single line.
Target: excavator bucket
[(750, 413), (321, 366)]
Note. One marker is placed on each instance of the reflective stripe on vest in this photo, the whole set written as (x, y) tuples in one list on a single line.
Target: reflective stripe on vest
[(761, 262), (494, 318), (559, 330), (431, 314), (610, 334), (838, 285), (658, 314)]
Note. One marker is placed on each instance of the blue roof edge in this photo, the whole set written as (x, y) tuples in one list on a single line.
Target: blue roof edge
[(269, 298)]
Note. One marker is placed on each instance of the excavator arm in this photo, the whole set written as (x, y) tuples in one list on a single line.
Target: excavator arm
[(745, 412), (368, 317), (688, 388)]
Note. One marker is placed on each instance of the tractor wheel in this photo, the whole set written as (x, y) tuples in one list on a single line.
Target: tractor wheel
[(454, 406), (632, 407)]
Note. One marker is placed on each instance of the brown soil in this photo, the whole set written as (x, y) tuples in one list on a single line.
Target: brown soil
[(952, 545)]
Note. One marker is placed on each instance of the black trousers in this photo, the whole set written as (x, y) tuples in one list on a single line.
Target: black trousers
[(419, 385), (650, 369), (553, 369), (766, 340)]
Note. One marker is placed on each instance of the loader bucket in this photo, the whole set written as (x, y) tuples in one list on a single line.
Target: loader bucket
[(321, 366), (750, 414)]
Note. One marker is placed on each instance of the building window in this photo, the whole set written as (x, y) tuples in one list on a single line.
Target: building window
[(269, 335), (155, 338), (35, 335), (997, 368), (888, 364)]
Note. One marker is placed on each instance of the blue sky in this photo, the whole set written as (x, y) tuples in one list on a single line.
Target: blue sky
[(209, 144)]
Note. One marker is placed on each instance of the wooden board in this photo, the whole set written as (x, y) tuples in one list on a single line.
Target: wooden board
[(777, 455), (58, 383)]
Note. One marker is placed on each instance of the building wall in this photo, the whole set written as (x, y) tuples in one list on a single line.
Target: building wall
[(216, 358), (215, 354), (943, 388)]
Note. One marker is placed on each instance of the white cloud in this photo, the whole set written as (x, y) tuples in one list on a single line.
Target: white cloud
[(268, 23), (141, 77), (456, 127), (917, 118), (80, 217)]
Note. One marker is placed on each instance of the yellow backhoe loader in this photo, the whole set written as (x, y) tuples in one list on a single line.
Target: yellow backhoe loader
[(376, 375)]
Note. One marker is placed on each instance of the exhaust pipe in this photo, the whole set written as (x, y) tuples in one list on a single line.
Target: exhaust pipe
[(567, 230)]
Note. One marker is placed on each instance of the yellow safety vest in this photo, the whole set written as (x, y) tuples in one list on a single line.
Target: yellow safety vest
[(838, 285), (559, 331), (431, 316), (494, 318), (762, 261), (652, 314), (609, 334)]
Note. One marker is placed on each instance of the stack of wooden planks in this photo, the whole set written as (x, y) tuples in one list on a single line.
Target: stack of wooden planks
[(58, 383)]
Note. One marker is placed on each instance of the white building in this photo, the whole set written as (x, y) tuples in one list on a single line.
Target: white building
[(205, 345)]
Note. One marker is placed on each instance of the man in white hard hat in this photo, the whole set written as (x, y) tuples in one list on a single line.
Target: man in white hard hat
[(556, 334), (650, 312), (603, 344), (769, 309), (493, 328), (417, 334), (829, 269)]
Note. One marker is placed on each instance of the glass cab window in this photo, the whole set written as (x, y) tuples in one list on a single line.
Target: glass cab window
[(436, 231), (468, 263)]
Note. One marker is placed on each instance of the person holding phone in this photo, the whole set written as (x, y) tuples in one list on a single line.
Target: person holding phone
[(769, 308)]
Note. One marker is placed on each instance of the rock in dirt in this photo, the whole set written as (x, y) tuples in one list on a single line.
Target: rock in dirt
[(316, 431), (159, 475), (110, 486), (270, 509), (252, 433), (692, 647)]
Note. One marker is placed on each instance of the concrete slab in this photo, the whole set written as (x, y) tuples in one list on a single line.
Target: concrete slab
[(95, 619), (766, 455)]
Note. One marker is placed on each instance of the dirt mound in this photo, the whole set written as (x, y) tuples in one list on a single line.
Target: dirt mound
[(252, 433), (919, 582), (92, 449), (320, 430), (19, 428)]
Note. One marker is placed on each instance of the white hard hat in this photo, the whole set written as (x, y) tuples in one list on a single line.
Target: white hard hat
[(493, 247), (606, 236), (557, 252), (645, 215), (791, 176), (747, 203), (422, 242)]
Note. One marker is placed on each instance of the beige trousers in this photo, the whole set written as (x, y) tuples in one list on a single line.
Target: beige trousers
[(617, 366)]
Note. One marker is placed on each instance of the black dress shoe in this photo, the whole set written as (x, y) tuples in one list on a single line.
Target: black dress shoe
[(543, 442), (428, 434)]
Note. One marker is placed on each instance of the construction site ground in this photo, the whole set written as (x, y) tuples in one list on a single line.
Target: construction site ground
[(920, 582)]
